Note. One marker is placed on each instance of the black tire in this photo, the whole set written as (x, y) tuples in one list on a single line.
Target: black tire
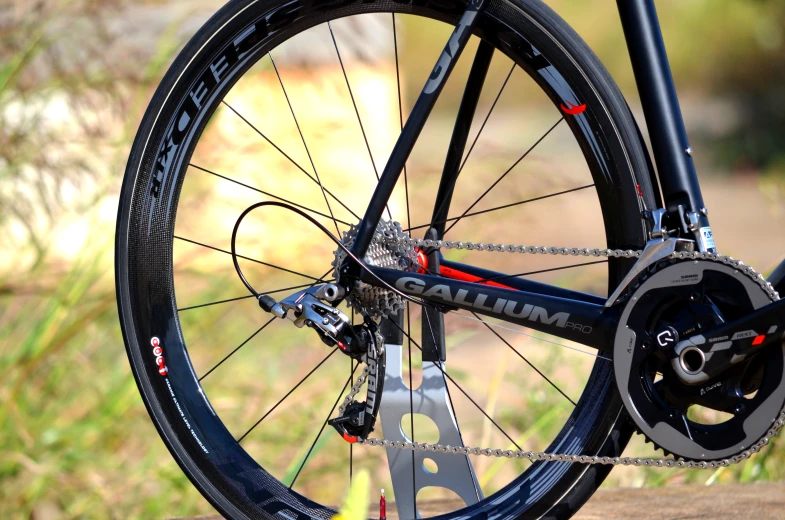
[(223, 472)]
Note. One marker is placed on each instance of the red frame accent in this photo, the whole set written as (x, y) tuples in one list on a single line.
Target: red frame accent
[(573, 110), (449, 272), (758, 339)]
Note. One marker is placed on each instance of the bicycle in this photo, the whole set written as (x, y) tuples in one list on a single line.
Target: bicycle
[(683, 327)]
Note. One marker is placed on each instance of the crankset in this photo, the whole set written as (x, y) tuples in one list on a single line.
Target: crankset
[(665, 344)]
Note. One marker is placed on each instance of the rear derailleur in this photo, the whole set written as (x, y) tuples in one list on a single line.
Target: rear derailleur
[(314, 308)]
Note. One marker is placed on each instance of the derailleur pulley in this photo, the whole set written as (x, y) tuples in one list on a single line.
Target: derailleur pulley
[(314, 308)]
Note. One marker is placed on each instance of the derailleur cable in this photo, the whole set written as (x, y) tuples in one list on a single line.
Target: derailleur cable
[(266, 302)]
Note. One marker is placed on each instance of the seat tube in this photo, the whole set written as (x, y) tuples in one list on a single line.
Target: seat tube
[(672, 152)]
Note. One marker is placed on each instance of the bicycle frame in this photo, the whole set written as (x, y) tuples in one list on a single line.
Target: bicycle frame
[(566, 314)]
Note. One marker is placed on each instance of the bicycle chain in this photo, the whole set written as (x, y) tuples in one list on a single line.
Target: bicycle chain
[(534, 456), (353, 391)]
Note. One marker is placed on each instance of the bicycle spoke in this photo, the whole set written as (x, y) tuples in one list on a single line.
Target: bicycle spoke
[(505, 276), (525, 360), (324, 424), (246, 258), (221, 301), (251, 295), (448, 376), (600, 355), (314, 369), (356, 111), (521, 158), (400, 119), (497, 208), (474, 142), (331, 217), (487, 116), (260, 329), (409, 224), (290, 159), (305, 145)]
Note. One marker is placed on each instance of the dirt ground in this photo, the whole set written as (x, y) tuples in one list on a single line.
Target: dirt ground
[(762, 501), (755, 501)]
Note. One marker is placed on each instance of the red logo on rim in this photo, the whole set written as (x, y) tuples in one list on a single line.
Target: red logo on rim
[(158, 352), (573, 110)]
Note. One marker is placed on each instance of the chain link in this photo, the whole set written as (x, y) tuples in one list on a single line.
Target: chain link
[(576, 251), (505, 248), (355, 388), (534, 456)]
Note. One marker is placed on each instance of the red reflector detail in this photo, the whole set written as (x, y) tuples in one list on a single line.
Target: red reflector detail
[(449, 272), (573, 110), (422, 259), (639, 190), (349, 438), (758, 339)]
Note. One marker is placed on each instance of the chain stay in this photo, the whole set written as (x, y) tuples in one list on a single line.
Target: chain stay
[(534, 456)]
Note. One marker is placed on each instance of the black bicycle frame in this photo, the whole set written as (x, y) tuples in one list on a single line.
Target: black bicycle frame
[(567, 314)]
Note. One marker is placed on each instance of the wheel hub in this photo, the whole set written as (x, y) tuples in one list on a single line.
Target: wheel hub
[(717, 418)]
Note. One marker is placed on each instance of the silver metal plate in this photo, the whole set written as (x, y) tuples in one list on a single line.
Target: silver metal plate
[(454, 471)]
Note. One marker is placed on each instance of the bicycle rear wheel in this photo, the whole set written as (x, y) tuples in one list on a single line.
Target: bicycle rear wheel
[(183, 190)]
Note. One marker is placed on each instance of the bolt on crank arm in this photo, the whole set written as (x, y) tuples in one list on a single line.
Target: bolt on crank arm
[(703, 357)]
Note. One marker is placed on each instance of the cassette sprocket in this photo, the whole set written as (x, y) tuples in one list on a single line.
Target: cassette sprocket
[(389, 248)]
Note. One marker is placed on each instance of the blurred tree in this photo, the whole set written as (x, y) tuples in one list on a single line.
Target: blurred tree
[(728, 61)]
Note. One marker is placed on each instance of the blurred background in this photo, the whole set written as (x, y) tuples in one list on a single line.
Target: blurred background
[(75, 79)]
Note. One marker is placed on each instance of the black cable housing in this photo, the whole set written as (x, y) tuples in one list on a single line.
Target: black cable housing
[(324, 230)]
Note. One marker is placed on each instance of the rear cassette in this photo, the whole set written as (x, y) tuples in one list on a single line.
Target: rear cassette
[(719, 418)]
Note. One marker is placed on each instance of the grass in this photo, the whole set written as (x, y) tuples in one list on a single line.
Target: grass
[(76, 437)]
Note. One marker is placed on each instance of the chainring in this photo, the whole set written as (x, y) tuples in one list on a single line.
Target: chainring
[(690, 296)]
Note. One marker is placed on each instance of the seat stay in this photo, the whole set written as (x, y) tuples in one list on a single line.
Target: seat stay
[(415, 123)]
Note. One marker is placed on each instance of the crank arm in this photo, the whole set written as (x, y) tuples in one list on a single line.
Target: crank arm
[(706, 356)]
